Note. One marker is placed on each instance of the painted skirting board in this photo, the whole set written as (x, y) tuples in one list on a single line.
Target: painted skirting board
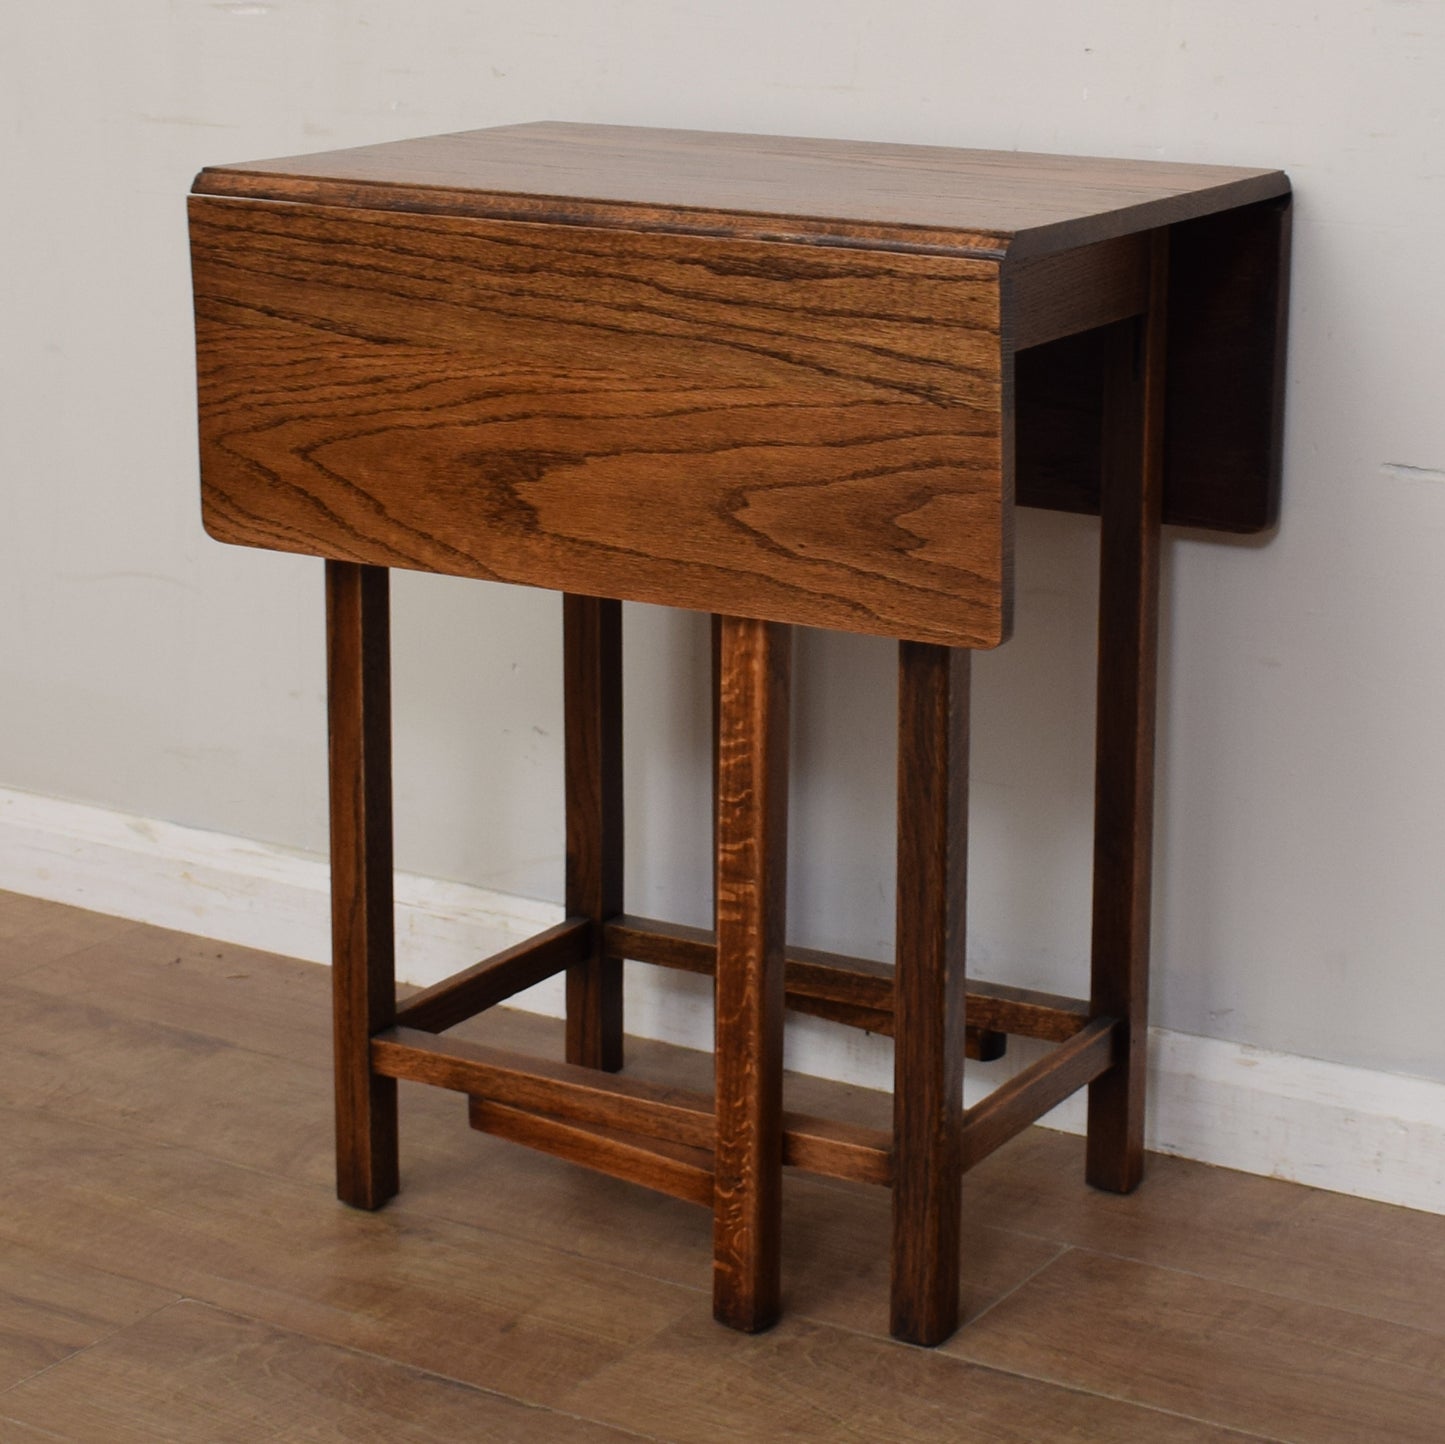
[(1351, 1130)]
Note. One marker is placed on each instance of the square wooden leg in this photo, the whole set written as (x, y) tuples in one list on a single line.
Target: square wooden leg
[(363, 975), (752, 817), (592, 690), (1130, 509), (933, 695)]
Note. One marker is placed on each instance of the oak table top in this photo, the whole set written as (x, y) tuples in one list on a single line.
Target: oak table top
[(982, 202), (796, 380)]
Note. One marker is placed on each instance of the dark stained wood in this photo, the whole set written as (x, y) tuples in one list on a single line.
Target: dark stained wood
[(1228, 304), (1024, 1012), (752, 853), (572, 1094), (1067, 292), (1224, 405), (776, 380), (855, 991), (869, 1020), (1043, 1085), (835, 1149), (363, 973), (933, 699), (592, 697), (495, 979), (852, 991), (843, 191), (1124, 749), (764, 430), (600, 1149), (562, 1090), (983, 1045), (1059, 410), (714, 632)]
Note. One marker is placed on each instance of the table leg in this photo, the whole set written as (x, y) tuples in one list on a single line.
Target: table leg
[(933, 695), (1131, 503), (592, 688), (752, 820), (363, 976)]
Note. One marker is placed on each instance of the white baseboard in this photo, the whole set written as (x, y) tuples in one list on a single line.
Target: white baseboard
[(1350, 1130)]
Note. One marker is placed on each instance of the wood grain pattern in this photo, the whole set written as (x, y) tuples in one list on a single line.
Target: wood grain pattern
[(592, 698), (1043, 1085), (657, 393), (193, 1374), (1077, 290), (763, 430), (1307, 1373), (604, 1150), (363, 969), (50, 1310), (824, 1147), (831, 1148), (663, 1113), (561, 1090), (752, 856), (933, 735), (816, 1385), (479, 1306), (494, 979), (854, 991), (762, 185), (1124, 746), (34, 933)]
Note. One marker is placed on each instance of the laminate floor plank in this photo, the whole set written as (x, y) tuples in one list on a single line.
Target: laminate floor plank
[(82, 1060), (165, 1111), (51, 1309), (698, 1385), (75, 1059), (1261, 1233), (256, 1000), (82, 1053), (192, 1374), (476, 1306), (1238, 1357), (12, 1431), (35, 932), (835, 1245)]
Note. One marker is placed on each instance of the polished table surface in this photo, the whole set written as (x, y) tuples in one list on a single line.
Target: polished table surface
[(749, 375)]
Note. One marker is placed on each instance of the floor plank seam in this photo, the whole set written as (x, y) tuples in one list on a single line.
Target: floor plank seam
[(1223, 1280), (1123, 1399), (320, 1065), (469, 1385), (36, 1429), (105, 1338), (178, 1008), (398, 1210), (1022, 1283)]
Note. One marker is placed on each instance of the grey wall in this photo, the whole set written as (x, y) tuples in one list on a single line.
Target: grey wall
[(1302, 832)]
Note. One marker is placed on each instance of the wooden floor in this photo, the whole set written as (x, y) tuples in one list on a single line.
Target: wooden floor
[(173, 1264)]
